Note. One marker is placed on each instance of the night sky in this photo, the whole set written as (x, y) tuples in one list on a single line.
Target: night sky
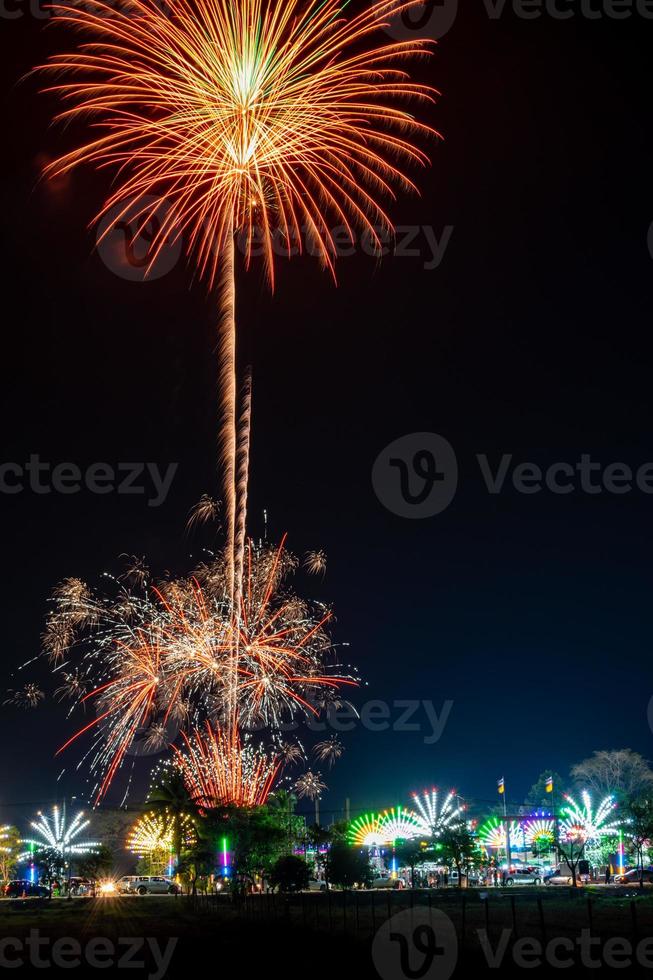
[(532, 338)]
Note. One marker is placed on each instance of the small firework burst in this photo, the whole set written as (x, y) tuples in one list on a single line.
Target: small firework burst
[(157, 737), (136, 573), (310, 786), (29, 696), (315, 562), (329, 751), (72, 688), (204, 511), (291, 753)]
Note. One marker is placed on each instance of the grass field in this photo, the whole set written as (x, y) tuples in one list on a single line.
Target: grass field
[(316, 935)]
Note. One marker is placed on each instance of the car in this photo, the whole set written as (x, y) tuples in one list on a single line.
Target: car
[(22, 888), (524, 876), (317, 885), (385, 881), (632, 877), (563, 876), (124, 884), (153, 885)]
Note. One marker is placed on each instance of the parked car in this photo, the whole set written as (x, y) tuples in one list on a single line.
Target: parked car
[(563, 876), (153, 885), (317, 885), (25, 889), (124, 884), (632, 877), (524, 876), (385, 881)]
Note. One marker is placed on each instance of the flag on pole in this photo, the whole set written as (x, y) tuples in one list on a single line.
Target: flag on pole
[(501, 786), (549, 784)]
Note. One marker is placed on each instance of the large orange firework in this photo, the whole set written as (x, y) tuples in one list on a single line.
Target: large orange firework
[(156, 658), (266, 119)]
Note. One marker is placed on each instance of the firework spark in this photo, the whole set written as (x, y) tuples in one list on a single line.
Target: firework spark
[(310, 786), (315, 562), (29, 696), (329, 751)]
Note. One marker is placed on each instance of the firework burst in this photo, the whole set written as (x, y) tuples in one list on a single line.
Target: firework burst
[(166, 655), (29, 696)]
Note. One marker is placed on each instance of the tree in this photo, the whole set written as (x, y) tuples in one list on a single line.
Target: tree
[(290, 874), (198, 861), (571, 847), (640, 831), (99, 862), (537, 795), (9, 850), (459, 848), (621, 772), (411, 854), (281, 807), (347, 867)]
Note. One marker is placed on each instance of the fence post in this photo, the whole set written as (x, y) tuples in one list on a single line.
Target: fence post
[(373, 896), (590, 917), (542, 923), (344, 909), (463, 921), (633, 916), (514, 916), (330, 911)]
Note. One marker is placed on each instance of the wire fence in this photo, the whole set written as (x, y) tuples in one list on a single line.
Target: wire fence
[(565, 912)]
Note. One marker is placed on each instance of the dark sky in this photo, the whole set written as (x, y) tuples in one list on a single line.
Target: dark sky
[(532, 338)]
